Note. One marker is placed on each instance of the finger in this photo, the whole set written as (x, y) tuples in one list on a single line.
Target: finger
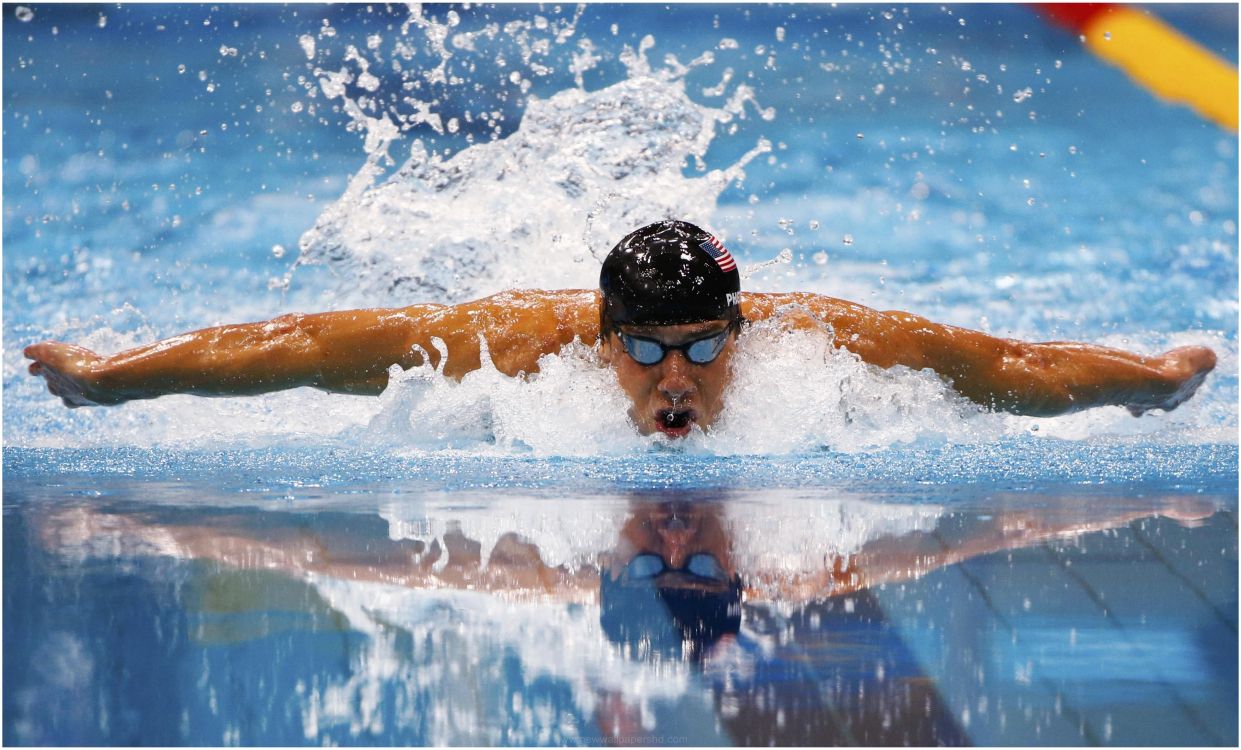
[(35, 368)]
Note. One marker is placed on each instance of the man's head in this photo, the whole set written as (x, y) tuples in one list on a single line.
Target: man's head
[(668, 588), (671, 306)]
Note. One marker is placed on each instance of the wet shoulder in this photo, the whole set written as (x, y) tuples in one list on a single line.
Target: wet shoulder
[(562, 314), (757, 306)]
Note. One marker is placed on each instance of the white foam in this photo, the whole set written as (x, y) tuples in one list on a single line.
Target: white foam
[(539, 208), (572, 406)]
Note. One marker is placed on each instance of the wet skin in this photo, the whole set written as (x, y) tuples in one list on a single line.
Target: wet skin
[(675, 394)]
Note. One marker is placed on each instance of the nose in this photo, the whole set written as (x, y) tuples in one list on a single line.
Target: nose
[(676, 538), (675, 383), (676, 534)]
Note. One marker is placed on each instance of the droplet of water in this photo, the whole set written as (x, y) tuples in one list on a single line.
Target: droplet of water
[(819, 258), (296, 106), (1107, 36), (860, 136), (103, 21), (785, 256), (1023, 94), (308, 45), (277, 251), (814, 224), (23, 14), (1029, 201), (847, 239), (181, 68)]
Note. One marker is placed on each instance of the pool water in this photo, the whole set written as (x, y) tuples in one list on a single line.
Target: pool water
[(267, 598), (435, 565)]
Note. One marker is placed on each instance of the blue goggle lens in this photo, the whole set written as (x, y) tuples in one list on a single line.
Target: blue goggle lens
[(701, 351), (649, 565)]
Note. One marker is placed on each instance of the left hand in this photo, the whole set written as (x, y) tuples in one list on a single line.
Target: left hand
[(1181, 371)]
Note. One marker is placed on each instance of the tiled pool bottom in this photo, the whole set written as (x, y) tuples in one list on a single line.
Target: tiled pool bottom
[(200, 600)]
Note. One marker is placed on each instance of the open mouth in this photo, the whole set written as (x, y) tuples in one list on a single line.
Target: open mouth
[(675, 422)]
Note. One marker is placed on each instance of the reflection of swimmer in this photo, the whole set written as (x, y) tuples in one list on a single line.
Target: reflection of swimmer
[(666, 321), (688, 545), (675, 597)]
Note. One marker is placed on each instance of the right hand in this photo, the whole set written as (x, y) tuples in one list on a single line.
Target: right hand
[(72, 373)]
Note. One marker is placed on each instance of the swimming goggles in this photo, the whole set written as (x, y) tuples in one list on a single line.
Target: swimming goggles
[(701, 351), (702, 565)]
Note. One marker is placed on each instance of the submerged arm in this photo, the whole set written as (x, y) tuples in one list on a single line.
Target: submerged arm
[(1036, 379), (344, 352)]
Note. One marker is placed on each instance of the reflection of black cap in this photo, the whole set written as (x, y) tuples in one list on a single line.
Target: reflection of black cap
[(667, 273), (666, 622)]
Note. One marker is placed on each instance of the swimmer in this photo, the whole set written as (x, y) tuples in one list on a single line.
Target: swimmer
[(666, 320)]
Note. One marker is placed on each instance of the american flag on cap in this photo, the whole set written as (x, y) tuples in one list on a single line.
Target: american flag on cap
[(720, 253)]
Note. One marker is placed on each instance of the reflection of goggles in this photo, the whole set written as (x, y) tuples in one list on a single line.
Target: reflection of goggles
[(702, 565), (701, 351)]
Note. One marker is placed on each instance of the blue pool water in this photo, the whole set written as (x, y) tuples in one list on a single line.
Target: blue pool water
[(428, 566)]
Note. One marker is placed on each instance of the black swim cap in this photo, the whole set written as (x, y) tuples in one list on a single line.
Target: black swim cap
[(667, 273)]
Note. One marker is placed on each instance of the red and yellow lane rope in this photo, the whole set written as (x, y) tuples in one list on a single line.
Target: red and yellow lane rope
[(1155, 55)]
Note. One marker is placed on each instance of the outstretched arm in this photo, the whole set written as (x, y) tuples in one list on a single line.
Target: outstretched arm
[(344, 352), (1036, 379)]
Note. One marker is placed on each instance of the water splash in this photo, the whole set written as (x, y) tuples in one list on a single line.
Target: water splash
[(572, 406), (527, 210)]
